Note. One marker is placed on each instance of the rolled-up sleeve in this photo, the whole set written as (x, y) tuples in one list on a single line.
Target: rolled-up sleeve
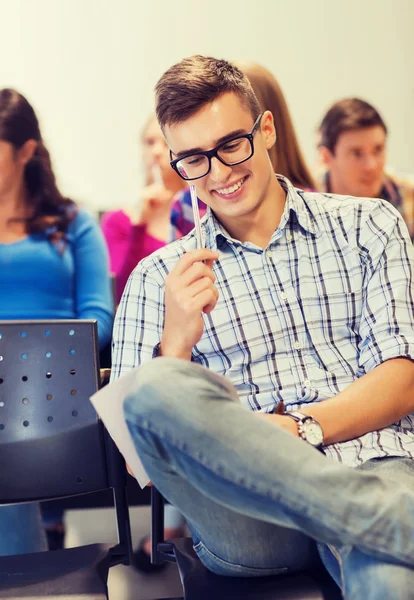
[(387, 323)]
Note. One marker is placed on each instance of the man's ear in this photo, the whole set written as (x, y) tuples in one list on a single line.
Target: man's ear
[(267, 128), (26, 152), (325, 156)]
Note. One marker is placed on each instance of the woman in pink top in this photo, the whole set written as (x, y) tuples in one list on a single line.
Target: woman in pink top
[(133, 234)]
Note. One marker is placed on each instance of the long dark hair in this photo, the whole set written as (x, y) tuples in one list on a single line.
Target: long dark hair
[(50, 212), (286, 155)]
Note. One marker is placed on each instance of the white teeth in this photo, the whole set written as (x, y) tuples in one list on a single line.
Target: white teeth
[(232, 189)]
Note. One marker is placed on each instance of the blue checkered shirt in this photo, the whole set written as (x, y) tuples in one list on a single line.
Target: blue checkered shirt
[(328, 299)]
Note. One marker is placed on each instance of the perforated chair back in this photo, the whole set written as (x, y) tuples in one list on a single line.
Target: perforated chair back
[(51, 442), (53, 445)]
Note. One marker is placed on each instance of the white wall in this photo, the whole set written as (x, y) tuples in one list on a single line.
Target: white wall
[(89, 68)]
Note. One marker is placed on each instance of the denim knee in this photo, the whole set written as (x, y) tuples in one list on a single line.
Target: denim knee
[(156, 387), (148, 388)]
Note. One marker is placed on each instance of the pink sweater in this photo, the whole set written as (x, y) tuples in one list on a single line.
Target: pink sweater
[(127, 245)]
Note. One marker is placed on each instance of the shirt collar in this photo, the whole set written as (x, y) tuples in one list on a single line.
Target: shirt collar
[(295, 205), (389, 190)]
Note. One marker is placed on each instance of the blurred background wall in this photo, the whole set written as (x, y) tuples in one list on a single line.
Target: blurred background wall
[(89, 68)]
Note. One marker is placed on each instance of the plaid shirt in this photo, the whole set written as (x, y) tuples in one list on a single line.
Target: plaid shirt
[(326, 301), (396, 190)]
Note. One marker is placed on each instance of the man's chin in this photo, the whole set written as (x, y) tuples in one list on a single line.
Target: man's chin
[(370, 190)]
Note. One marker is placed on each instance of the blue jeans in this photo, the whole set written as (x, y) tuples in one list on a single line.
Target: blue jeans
[(21, 529), (257, 498)]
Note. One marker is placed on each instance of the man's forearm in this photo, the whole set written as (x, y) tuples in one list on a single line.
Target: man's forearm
[(376, 400)]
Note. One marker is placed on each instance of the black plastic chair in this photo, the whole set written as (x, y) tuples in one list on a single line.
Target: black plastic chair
[(201, 584), (53, 445)]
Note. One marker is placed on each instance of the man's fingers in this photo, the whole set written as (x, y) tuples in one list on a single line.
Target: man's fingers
[(189, 258), (194, 273), (199, 286), (208, 299)]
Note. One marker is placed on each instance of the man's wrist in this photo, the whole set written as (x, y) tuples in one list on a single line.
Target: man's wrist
[(172, 351)]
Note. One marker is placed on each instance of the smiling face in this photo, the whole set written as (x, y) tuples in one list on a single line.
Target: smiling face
[(356, 167), (244, 191)]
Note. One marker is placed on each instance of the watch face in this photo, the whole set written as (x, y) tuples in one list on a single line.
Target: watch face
[(313, 433)]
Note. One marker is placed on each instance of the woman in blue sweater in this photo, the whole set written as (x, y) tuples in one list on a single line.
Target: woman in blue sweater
[(53, 264)]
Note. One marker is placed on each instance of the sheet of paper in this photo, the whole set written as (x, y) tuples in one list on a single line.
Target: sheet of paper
[(109, 404)]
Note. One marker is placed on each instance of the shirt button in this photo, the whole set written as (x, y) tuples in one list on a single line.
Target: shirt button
[(297, 345), (269, 254), (283, 295), (289, 237), (307, 383)]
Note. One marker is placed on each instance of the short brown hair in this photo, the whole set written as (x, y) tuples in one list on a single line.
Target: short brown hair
[(196, 81), (349, 114)]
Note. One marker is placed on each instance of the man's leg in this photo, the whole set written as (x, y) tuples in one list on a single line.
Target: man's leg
[(229, 543), (363, 576), (180, 417)]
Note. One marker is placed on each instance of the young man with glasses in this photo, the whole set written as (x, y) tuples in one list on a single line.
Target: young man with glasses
[(299, 301)]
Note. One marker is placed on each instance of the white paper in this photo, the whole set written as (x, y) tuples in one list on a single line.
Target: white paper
[(109, 404)]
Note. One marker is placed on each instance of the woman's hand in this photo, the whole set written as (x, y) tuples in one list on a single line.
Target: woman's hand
[(153, 198)]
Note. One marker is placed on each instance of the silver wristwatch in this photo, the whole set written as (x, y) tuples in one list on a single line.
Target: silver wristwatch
[(308, 428)]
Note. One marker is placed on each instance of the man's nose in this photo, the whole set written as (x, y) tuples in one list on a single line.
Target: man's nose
[(219, 172), (370, 162)]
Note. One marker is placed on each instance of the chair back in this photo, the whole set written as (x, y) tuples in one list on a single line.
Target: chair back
[(52, 443)]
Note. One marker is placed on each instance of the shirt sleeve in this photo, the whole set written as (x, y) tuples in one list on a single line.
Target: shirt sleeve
[(138, 324), (387, 322), (93, 286)]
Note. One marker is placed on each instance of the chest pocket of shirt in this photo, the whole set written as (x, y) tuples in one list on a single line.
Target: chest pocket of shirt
[(339, 310), (334, 330)]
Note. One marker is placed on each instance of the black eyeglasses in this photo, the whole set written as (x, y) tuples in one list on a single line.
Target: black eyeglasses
[(233, 152)]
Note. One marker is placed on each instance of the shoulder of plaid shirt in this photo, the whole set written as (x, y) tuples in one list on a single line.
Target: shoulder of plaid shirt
[(326, 302)]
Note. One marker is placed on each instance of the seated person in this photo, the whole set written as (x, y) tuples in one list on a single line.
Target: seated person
[(298, 298), (131, 234), (352, 148), (286, 155), (53, 266)]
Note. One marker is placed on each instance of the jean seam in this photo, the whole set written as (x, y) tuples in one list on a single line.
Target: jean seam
[(338, 557), (304, 509), (236, 566)]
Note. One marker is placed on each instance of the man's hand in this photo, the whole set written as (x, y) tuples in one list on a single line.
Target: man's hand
[(189, 291), (281, 421)]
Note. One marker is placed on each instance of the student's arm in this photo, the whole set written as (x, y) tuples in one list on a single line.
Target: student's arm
[(157, 308), (126, 245), (385, 393), (136, 250), (138, 322), (93, 293), (376, 400)]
